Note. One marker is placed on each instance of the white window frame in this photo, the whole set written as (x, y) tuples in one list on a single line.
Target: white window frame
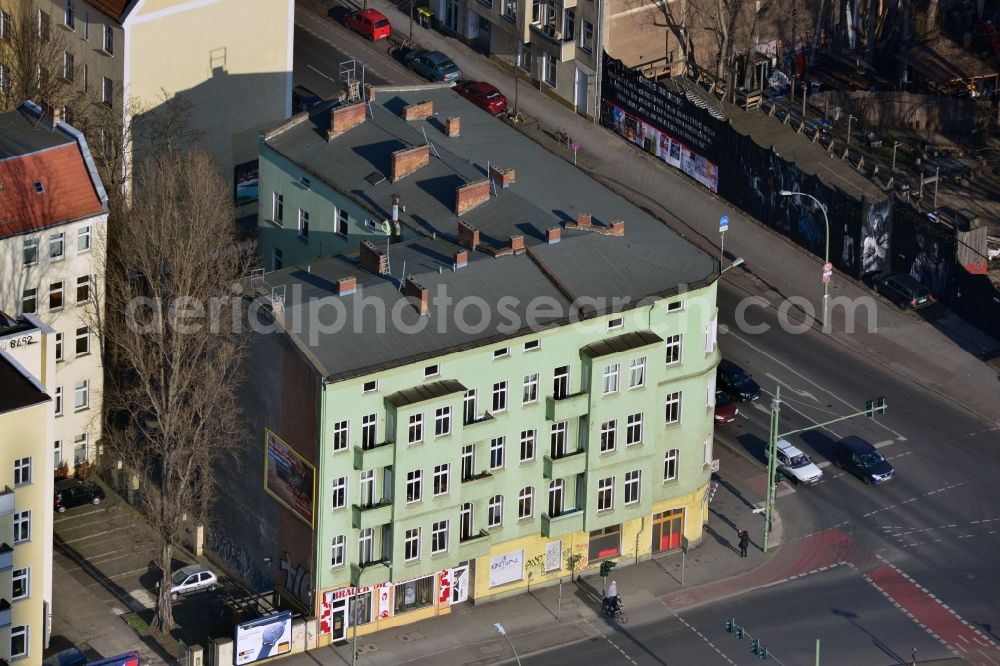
[(67, 66), (415, 429), (671, 465), (57, 240), (558, 440), (637, 373), (107, 91), (303, 224), (85, 337), (20, 631), (81, 395), (529, 394), (343, 220), (676, 306), (529, 445), (29, 295), (616, 323), (440, 536), (84, 282), (497, 444), (469, 406), (108, 40), (442, 421), (57, 453), (503, 352), (57, 290), (30, 245), (606, 494), (340, 437), (499, 395), (561, 382), (338, 493), (83, 237), (707, 450), (366, 546), (411, 545), (371, 386), (338, 549), (369, 431), (609, 436), (277, 207), (674, 349), (441, 481), (526, 503), (634, 428), (532, 345), (557, 487), (672, 408), (59, 347), (22, 526), (633, 484), (24, 575), (414, 486), (610, 381), (494, 512), (368, 488), (712, 335), (58, 403), (466, 517), (22, 471), (432, 371)]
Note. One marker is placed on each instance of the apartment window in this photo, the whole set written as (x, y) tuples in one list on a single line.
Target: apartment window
[(633, 429), (303, 223), (524, 58), (83, 289), (442, 421), (277, 259), (59, 346), (525, 503), (68, 66), (465, 521), (57, 453), (673, 408), (44, 25), (560, 382), (586, 35), (415, 431), (557, 493), (532, 345), (528, 438), (342, 219), (369, 431), (4, 25), (510, 9), (21, 584), (468, 461), (56, 296), (341, 435), (609, 430), (82, 341), (557, 440), (411, 545), (496, 452), (4, 79), (676, 306), (86, 25), (80, 443), (442, 479), (707, 451), (530, 393), (500, 397), (633, 486), (494, 511), (18, 642), (670, 465), (109, 40), (22, 471), (337, 547), (616, 323), (549, 66), (569, 25), (30, 251), (86, 77), (56, 246), (22, 526), (69, 19), (277, 207), (611, 378), (637, 372), (439, 537), (366, 546), (414, 482), (673, 349), (367, 486), (339, 493), (81, 395), (29, 300), (469, 406), (432, 371), (107, 91), (606, 494), (59, 401), (503, 352), (370, 387)]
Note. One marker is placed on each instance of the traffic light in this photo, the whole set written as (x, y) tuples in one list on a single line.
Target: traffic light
[(755, 645), (763, 652), (607, 566), (739, 633), (870, 409), (729, 625), (873, 407), (880, 405)]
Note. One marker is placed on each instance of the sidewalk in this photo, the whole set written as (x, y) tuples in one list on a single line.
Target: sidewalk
[(930, 354), (535, 621)]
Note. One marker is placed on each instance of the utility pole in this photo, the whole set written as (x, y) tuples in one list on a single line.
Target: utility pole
[(354, 627), (850, 118), (892, 175)]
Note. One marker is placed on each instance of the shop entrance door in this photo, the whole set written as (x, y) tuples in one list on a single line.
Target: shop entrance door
[(460, 584), (338, 625), (668, 527)]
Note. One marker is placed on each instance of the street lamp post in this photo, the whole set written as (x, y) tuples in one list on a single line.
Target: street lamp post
[(826, 256), (503, 632)]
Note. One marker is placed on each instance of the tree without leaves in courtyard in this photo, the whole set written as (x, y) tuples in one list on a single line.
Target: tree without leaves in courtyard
[(170, 392)]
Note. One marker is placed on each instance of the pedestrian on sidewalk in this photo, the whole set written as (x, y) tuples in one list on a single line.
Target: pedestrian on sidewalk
[(744, 542)]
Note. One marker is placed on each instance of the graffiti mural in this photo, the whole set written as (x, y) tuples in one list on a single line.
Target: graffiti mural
[(876, 232), (296, 579), (238, 559), (923, 249)]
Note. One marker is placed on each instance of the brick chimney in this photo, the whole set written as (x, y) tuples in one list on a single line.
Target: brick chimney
[(583, 220), (502, 177), (347, 285), (553, 235), (419, 111), (453, 127), (618, 228), (343, 118), (373, 259), (369, 92), (419, 293), (408, 160), (469, 196), (517, 243), (468, 235), (461, 259)]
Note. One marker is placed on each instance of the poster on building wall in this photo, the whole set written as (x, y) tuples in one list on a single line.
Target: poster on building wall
[(246, 178), (384, 601), (553, 556), (263, 638), (444, 587), (288, 477), (507, 568)]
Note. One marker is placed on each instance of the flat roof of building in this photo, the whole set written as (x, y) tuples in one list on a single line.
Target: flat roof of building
[(647, 260)]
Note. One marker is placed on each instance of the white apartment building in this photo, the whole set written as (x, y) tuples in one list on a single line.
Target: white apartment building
[(53, 216)]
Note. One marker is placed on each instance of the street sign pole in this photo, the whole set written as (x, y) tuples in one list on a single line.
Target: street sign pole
[(772, 447), (723, 228)]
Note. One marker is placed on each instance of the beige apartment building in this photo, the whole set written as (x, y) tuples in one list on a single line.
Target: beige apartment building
[(27, 362), (53, 216)]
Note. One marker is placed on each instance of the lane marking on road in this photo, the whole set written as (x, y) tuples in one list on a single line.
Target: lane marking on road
[(65, 517), (624, 654), (824, 464), (98, 534), (798, 392), (701, 636), (323, 74), (884, 443)]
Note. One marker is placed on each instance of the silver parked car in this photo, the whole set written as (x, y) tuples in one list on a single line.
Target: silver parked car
[(190, 579)]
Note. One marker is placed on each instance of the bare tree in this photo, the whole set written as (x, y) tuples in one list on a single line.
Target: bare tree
[(172, 351), (34, 60)]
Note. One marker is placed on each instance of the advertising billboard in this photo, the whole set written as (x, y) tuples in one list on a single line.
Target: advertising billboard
[(263, 638), (288, 477), (507, 568), (246, 177)]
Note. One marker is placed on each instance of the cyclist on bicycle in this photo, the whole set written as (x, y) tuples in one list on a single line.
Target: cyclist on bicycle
[(612, 604)]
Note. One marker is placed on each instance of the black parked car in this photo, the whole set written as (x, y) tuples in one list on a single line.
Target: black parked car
[(904, 291), (862, 459), (74, 492), (737, 384)]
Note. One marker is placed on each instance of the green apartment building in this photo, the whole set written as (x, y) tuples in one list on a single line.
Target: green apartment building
[(520, 386)]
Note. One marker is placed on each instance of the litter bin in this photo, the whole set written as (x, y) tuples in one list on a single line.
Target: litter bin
[(425, 17)]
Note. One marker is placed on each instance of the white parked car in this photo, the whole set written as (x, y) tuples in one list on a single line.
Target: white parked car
[(190, 579), (795, 464)]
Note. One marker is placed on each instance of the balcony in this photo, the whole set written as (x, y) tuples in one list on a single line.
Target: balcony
[(486, 417), (6, 501), (570, 407), (565, 47), (571, 464), (477, 487), (475, 546), (4, 613), (375, 457), (6, 557), (370, 574), (563, 524), (371, 515)]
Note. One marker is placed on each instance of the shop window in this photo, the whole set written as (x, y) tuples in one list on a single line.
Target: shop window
[(414, 594), (605, 543)]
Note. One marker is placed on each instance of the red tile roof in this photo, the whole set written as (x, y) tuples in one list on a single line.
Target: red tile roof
[(68, 193), (113, 8)]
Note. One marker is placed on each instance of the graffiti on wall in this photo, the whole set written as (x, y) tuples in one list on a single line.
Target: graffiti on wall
[(923, 249), (238, 559), (296, 579), (876, 231)]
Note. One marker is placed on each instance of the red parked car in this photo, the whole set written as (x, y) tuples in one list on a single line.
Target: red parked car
[(370, 23), (483, 95), (725, 409)]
